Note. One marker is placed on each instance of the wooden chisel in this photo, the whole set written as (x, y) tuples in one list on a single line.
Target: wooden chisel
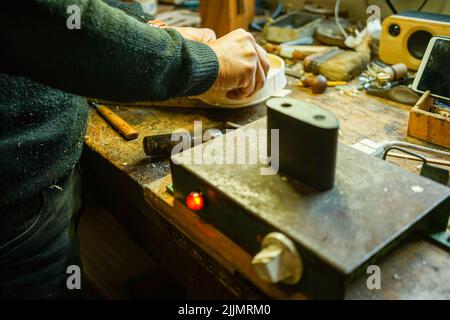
[(120, 125)]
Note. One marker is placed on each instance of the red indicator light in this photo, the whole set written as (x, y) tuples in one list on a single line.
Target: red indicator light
[(195, 201)]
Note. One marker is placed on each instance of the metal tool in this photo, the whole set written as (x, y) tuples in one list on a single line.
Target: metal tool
[(162, 145), (292, 27), (400, 93)]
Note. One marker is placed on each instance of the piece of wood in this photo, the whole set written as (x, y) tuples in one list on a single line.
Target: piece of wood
[(298, 52), (110, 257), (126, 130), (335, 64), (429, 126), (426, 101), (225, 16), (429, 160), (301, 84)]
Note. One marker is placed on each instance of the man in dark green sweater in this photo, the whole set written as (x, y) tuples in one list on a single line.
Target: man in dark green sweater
[(46, 69)]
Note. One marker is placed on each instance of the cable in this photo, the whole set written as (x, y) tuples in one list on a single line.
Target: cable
[(391, 6), (389, 144), (422, 5), (336, 17), (419, 156)]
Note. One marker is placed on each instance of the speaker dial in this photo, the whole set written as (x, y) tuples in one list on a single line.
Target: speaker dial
[(394, 30)]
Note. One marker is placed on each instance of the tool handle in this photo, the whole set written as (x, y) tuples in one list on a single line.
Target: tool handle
[(300, 83), (127, 131)]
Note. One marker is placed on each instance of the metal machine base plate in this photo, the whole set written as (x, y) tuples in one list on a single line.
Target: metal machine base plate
[(338, 232)]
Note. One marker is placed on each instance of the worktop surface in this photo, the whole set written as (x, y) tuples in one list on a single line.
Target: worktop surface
[(416, 269)]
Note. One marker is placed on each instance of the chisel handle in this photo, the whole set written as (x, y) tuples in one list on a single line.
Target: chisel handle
[(120, 125)]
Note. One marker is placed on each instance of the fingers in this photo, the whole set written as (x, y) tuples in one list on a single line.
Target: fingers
[(256, 83), (208, 36), (261, 76), (257, 80), (263, 67), (247, 89), (243, 64), (234, 94), (262, 55)]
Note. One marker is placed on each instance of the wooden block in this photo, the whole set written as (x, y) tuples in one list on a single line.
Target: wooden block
[(336, 64), (428, 126), (224, 16)]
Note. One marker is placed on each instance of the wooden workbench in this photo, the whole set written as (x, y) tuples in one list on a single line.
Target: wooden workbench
[(208, 263)]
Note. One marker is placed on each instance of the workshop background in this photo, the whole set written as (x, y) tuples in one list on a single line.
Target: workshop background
[(357, 8), (118, 260)]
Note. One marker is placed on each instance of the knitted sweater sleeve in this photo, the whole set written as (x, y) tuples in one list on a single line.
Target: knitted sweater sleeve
[(133, 9), (111, 56)]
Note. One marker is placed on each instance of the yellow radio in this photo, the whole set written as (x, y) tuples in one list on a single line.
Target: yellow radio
[(405, 36)]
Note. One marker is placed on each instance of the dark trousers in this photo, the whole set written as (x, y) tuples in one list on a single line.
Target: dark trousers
[(38, 243)]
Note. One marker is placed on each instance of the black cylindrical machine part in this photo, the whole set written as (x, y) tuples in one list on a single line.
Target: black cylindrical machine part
[(308, 137)]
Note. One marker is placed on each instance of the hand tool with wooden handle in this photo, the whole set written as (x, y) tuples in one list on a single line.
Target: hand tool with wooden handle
[(120, 125), (162, 145), (298, 52), (301, 84)]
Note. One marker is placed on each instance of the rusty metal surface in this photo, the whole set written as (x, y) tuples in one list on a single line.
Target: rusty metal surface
[(415, 270), (372, 204), (418, 269)]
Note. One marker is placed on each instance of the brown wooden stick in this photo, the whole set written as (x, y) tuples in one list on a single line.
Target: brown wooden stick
[(298, 52), (426, 101), (329, 83), (120, 125), (429, 160)]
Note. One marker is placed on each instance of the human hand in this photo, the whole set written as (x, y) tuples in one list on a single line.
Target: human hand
[(202, 35), (243, 64)]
